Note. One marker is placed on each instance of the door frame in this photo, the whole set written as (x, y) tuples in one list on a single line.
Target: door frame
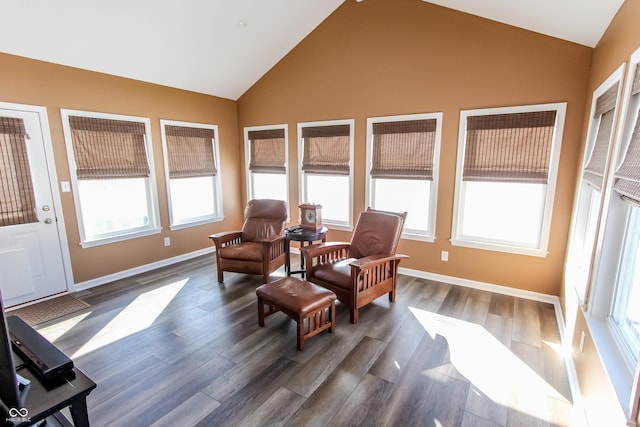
[(55, 189)]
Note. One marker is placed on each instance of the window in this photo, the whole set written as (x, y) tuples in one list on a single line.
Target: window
[(589, 202), (402, 154), (266, 157), (611, 309), (17, 199), (506, 173), (625, 312), (326, 175), (193, 190), (111, 166)]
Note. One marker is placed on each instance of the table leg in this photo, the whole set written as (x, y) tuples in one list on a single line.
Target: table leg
[(79, 414), (302, 260), (287, 257)]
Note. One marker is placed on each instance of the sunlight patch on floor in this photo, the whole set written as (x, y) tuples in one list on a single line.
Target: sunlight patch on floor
[(57, 330), (137, 316), (490, 366)]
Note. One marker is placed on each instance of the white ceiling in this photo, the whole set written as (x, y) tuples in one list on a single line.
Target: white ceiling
[(222, 47)]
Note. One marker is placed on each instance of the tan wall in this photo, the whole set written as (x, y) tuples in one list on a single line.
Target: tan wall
[(379, 58), (621, 39), (39, 83)]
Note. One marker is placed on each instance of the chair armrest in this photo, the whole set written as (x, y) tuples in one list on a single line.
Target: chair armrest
[(224, 238), (271, 239), (320, 249), (322, 253), (373, 260)]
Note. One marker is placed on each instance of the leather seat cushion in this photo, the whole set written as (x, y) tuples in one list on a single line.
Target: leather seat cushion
[(245, 251), (295, 295), (337, 273)]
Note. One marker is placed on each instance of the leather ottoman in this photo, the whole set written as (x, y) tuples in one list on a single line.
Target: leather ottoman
[(311, 306)]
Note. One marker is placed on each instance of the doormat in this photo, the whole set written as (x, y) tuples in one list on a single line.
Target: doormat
[(45, 311)]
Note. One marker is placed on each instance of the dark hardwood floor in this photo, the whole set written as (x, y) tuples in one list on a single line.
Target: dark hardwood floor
[(172, 347)]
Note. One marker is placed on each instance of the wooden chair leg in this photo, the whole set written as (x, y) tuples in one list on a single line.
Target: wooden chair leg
[(300, 334), (260, 312), (332, 317)]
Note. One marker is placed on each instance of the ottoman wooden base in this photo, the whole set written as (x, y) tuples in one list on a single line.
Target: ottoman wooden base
[(300, 300)]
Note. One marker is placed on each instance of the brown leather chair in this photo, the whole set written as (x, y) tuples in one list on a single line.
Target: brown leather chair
[(363, 270), (259, 247)]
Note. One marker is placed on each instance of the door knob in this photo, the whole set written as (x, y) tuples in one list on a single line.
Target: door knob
[(48, 221)]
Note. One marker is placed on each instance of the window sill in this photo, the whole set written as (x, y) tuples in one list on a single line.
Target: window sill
[(340, 227), (542, 253), (112, 239), (614, 364), (418, 237), (179, 226)]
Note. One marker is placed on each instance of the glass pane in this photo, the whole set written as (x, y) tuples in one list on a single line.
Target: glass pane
[(17, 199), (626, 304), (332, 192), (404, 195), (112, 205), (269, 186), (505, 212), (191, 198)]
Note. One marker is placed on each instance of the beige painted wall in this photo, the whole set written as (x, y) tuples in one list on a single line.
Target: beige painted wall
[(615, 48), (379, 58), (39, 83)]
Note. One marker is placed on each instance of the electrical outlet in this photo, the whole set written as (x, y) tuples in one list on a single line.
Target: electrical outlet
[(167, 241), (582, 341), (444, 256), (65, 186)]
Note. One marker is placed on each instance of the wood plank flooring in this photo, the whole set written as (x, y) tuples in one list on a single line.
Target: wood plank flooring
[(172, 347)]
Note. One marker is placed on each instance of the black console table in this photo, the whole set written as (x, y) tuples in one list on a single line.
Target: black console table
[(47, 399), (300, 235)]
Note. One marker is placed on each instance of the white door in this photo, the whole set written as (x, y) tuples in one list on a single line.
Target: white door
[(31, 259)]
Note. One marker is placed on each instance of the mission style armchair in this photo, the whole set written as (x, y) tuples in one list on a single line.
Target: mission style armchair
[(259, 247), (361, 271)]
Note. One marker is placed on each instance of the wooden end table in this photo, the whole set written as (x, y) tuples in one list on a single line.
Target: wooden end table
[(300, 235)]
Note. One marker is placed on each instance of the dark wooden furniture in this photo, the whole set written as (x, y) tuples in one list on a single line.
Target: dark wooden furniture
[(302, 235), (364, 269), (259, 247), (47, 399), (312, 307)]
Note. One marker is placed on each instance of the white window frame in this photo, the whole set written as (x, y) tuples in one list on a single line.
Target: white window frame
[(589, 202), (302, 184), (427, 235), (458, 239), (620, 369), (217, 214), (247, 157), (152, 195)]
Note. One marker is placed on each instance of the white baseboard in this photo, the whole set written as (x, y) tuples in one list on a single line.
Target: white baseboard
[(140, 269), (505, 290)]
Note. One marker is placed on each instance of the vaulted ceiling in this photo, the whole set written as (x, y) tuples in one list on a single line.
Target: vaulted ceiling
[(222, 47)]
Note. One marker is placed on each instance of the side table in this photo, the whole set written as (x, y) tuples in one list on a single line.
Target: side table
[(300, 235)]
